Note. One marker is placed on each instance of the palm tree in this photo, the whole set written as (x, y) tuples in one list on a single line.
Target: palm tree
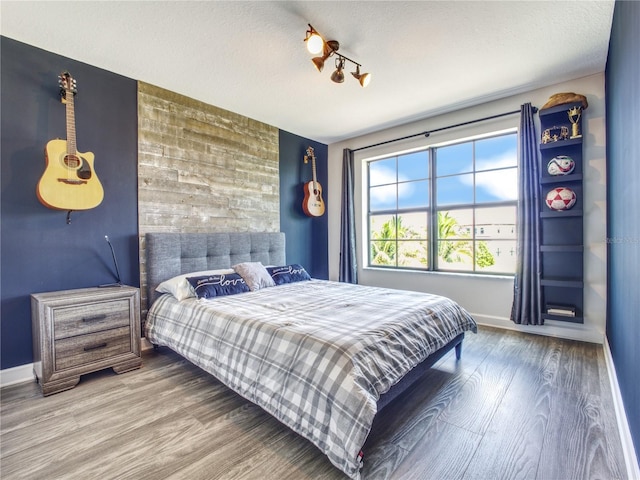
[(383, 248), (384, 245), (448, 250)]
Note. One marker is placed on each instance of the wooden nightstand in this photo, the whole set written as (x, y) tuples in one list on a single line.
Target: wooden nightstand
[(81, 331)]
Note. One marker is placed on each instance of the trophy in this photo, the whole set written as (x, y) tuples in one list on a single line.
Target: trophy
[(574, 118)]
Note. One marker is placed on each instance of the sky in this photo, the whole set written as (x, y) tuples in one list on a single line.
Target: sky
[(495, 177)]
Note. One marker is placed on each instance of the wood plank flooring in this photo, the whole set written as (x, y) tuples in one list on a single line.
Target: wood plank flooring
[(516, 406)]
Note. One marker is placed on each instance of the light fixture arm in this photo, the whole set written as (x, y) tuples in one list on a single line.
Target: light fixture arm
[(347, 58)]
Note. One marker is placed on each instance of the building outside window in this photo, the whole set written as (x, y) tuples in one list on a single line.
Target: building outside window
[(445, 208)]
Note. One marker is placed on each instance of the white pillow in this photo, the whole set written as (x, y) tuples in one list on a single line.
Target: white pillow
[(255, 274), (180, 287)]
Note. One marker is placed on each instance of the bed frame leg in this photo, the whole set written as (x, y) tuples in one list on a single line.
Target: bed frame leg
[(458, 351)]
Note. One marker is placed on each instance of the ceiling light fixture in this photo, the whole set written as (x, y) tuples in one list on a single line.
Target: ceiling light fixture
[(316, 44)]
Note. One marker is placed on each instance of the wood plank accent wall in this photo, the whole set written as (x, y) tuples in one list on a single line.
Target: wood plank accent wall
[(202, 169)]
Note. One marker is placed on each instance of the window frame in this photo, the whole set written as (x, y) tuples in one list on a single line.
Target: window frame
[(432, 209)]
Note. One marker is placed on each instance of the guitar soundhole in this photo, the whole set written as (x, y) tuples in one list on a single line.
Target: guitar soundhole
[(80, 165), (72, 161)]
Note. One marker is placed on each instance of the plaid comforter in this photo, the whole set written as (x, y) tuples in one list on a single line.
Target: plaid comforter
[(315, 354)]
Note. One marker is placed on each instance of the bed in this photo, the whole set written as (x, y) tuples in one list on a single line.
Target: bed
[(322, 357)]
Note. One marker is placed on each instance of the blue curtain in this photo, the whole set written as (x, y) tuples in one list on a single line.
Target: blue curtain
[(348, 260), (527, 302)]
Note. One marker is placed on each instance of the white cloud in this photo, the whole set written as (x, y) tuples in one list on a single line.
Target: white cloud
[(501, 183), (383, 176), (505, 159)]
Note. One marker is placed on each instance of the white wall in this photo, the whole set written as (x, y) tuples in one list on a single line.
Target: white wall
[(489, 298)]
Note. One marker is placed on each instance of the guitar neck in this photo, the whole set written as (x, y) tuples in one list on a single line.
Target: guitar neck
[(71, 124), (313, 168)]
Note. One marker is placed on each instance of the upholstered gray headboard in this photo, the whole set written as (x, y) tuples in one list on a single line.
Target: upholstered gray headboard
[(171, 254)]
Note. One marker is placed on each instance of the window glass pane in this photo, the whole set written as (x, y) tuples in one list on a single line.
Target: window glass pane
[(413, 225), (455, 190), (455, 255), (383, 253), (413, 254), (454, 159), (413, 194), (496, 222), (497, 152), (382, 198), (473, 234), (497, 185), (382, 172), (496, 256), (413, 166), (382, 227), (455, 224)]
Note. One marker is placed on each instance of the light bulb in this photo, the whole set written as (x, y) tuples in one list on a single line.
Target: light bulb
[(315, 44)]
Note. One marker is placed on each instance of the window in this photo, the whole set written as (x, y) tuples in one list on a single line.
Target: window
[(447, 208)]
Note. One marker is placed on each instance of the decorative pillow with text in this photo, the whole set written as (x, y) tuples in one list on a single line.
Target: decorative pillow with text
[(210, 286), (288, 274), (180, 287)]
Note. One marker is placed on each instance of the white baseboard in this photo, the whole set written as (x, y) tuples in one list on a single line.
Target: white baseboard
[(630, 458), (19, 374), (568, 330), (24, 373)]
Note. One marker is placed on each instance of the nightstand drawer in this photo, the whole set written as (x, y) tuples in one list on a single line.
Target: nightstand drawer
[(84, 349), (90, 317)]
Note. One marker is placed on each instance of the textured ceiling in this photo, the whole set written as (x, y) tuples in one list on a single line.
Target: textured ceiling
[(426, 57)]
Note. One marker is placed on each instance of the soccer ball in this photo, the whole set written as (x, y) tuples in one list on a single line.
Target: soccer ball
[(561, 198), (561, 165)]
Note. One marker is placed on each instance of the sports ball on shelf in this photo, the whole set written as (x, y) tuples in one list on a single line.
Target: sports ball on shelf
[(561, 198), (561, 165)]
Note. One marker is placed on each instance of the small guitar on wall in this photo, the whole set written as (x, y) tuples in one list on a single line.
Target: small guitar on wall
[(313, 205), (69, 181)]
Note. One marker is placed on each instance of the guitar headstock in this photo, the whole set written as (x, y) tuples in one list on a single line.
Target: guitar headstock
[(310, 154), (67, 85)]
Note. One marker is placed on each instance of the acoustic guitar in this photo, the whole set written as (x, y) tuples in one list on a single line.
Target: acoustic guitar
[(69, 181), (313, 205)]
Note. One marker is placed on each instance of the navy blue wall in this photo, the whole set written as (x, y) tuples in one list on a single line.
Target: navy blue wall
[(307, 237), (623, 204), (39, 251)]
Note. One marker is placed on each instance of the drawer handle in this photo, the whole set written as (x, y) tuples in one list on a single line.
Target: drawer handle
[(95, 347), (95, 318)]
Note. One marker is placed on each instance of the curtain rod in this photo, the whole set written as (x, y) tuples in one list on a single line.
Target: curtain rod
[(426, 133)]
